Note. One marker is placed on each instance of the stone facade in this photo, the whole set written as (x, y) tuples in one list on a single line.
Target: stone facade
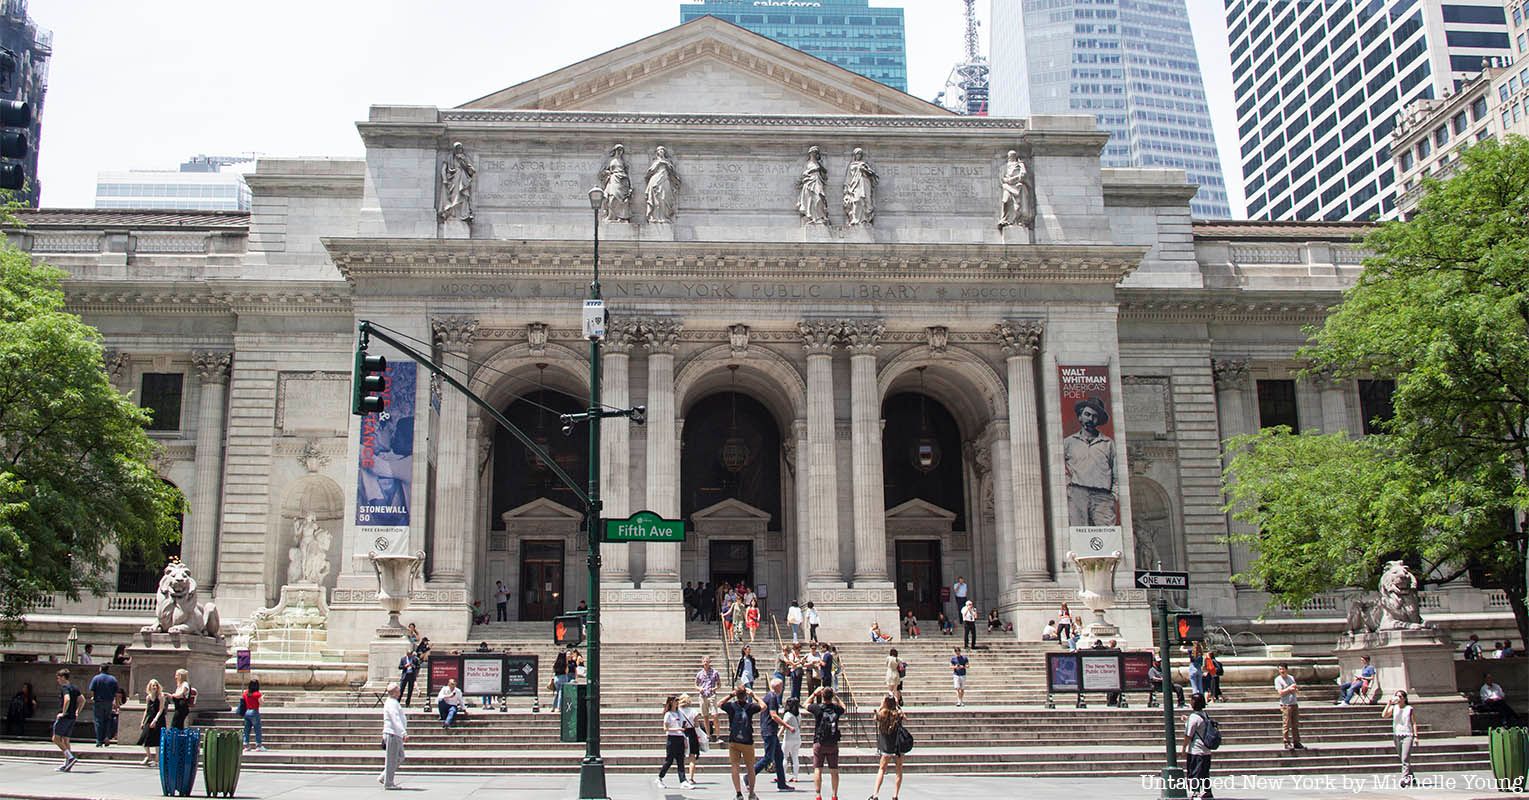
[(820, 324)]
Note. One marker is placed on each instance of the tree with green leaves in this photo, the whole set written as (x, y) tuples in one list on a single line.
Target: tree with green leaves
[(76, 485), (1442, 307)]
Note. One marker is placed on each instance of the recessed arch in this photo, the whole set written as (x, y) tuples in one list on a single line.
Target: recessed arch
[(763, 374), (962, 382), (512, 372), (1157, 537), (321, 497)]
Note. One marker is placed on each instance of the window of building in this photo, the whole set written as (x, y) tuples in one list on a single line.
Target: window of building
[(1276, 404), (1407, 161), (1483, 134), (1375, 404), (1522, 41), (1458, 124), (160, 393), (1488, 39), (1441, 136), (1474, 15), (1465, 64), (1479, 109)]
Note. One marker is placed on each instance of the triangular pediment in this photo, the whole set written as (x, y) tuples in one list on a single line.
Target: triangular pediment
[(916, 509), (731, 508), (706, 66), (541, 509)]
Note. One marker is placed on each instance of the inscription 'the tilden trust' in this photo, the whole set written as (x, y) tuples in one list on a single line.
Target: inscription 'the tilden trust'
[(732, 290)]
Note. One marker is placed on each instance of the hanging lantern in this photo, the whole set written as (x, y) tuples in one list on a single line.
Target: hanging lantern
[(539, 434), (735, 451), (926, 449)]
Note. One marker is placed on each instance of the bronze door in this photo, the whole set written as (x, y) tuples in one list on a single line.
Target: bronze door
[(918, 578), (541, 580)]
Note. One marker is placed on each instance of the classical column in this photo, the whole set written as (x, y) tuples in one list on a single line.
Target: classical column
[(663, 447), (1003, 503), (822, 528), (863, 338), (199, 548), (1231, 379), (453, 467), (798, 463), (1021, 340), (1334, 392), (616, 447)]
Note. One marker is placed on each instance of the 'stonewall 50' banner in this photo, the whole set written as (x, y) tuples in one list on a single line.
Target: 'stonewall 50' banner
[(385, 473), (1089, 460)]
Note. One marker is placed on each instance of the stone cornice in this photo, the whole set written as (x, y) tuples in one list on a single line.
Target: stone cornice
[(358, 258), (1011, 125), (1226, 305), (306, 185), (208, 298)]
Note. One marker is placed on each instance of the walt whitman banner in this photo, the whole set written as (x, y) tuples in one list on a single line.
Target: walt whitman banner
[(385, 473), (1088, 459)]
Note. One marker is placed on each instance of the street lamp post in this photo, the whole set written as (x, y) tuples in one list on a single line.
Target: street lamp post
[(592, 770)]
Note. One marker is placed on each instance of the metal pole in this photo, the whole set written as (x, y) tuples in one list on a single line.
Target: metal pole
[(592, 770), (1173, 776)]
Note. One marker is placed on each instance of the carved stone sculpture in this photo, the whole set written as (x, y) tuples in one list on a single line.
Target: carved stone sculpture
[(812, 189), (1017, 206), (308, 559), (860, 190), (177, 610), (663, 192), (457, 174), (1398, 608), (616, 186)]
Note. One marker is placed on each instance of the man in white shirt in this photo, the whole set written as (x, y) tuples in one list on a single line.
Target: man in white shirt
[(395, 731), (958, 591), (501, 601), (1049, 633), (449, 702), (1493, 698), (1289, 708), (88, 657), (969, 620)]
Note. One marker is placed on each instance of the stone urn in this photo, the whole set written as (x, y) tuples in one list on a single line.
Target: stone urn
[(1096, 578), (395, 579)]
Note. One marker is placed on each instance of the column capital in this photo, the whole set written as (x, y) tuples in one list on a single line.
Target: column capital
[(116, 363), (1327, 380), (1020, 337), (660, 334), (454, 334), (212, 366), (621, 337), (862, 337), (819, 336), (1230, 374)]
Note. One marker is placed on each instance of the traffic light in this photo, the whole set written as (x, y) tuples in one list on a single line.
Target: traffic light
[(368, 383), (15, 142), (568, 630), (1191, 628)]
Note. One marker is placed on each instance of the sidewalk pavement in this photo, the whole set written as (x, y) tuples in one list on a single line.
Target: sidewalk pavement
[(35, 779)]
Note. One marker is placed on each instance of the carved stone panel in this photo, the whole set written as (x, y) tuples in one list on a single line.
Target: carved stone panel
[(312, 402), (1149, 405)]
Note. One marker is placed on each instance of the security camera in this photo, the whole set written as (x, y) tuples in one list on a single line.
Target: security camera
[(568, 429), (639, 415)]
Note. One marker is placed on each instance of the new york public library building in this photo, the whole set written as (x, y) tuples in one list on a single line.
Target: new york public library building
[(859, 384)]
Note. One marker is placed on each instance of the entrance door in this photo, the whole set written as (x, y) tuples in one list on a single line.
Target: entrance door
[(918, 578), (541, 580), (732, 560)]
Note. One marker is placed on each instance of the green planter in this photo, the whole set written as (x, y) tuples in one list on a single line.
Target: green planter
[(222, 752), (1510, 758), (574, 725)]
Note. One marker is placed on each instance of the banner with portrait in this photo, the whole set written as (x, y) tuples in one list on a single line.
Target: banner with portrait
[(385, 469), (1089, 459)]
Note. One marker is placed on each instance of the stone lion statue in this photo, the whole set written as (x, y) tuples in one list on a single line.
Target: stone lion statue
[(177, 610), (1398, 606)]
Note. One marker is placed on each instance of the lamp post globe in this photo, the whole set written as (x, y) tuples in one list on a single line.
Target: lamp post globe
[(596, 197)]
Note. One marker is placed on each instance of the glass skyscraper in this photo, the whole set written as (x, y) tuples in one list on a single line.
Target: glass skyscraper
[(849, 33), (1130, 63)]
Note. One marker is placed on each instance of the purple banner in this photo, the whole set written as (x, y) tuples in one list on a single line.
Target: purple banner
[(385, 472)]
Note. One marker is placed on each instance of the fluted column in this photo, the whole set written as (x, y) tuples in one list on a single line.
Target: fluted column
[(453, 461), (1003, 502), (199, 547), (616, 446), (818, 338), (1231, 379), (798, 464), (1334, 392), (663, 447), (1021, 340), (863, 339)]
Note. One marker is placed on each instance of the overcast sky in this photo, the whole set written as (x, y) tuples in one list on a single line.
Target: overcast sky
[(144, 85)]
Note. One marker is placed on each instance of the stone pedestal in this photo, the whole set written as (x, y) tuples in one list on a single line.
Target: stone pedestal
[(653, 613), (159, 655), (860, 234), (847, 614), (1418, 661), (383, 655), (1015, 234), (656, 232), (455, 229), (817, 233)]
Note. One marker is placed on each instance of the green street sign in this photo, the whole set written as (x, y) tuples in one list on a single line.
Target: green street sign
[(644, 526)]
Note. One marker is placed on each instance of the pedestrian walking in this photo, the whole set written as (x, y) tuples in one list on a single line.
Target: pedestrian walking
[(969, 619), (958, 593), (408, 672), (154, 705), (727, 618), (826, 667), (1197, 669), (706, 682), (250, 701), (182, 699), (896, 668), (791, 740), (501, 602), (1212, 677), (751, 616), (674, 741), (1404, 730), (826, 708), (740, 709), (771, 725), (1196, 751), (693, 734), (794, 617), (747, 669), (70, 700), (958, 664), (449, 702), (103, 692), (813, 620), (1289, 709), (1064, 625), (888, 717), (395, 731)]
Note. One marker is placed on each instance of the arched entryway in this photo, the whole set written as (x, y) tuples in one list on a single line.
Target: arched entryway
[(925, 487)]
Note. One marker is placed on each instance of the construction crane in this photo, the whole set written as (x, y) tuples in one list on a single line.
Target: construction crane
[(966, 90)]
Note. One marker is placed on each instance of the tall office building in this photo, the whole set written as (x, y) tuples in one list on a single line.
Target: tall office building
[(199, 185), (1130, 63), (1319, 88), (849, 33), (24, 76)]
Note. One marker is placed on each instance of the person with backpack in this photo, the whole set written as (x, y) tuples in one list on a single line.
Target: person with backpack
[(182, 700), (741, 709), (826, 709), (891, 745), (896, 669), (771, 725), (249, 709), (1201, 736)]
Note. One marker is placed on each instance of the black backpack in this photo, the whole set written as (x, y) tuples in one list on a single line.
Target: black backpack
[(827, 729), (1209, 732)]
